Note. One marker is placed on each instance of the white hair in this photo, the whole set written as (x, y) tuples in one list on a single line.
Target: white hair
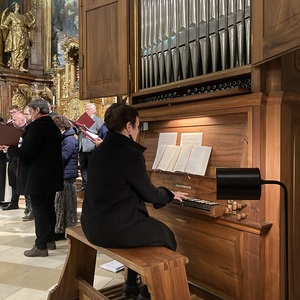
[(92, 106)]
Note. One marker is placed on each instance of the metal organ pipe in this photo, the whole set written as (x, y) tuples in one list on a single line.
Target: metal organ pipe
[(180, 39)]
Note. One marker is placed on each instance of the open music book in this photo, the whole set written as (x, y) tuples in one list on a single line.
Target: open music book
[(187, 158)]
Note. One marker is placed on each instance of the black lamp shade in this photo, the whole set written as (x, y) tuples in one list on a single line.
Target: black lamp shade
[(238, 183)]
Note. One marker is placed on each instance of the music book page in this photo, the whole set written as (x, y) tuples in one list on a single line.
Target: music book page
[(90, 135), (159, 153), (194, 138), (190, 157), (165, 138), (182, 158), (198, 160), (174, 159), (167, 157), (113, 266)]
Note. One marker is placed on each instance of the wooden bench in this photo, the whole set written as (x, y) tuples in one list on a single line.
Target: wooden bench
[(161, 269)]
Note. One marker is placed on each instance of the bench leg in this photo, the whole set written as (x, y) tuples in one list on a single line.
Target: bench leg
[(80, 262), (167, 281), (86, 291)]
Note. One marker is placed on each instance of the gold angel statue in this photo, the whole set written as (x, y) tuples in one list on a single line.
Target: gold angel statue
[(17, 32)]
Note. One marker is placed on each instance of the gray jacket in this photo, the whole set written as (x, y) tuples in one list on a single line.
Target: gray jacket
[(85, 144)]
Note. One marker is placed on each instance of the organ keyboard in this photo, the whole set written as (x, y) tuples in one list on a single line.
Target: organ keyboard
[(211, 208)]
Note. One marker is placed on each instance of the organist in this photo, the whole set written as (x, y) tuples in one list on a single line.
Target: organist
[(114, 214)]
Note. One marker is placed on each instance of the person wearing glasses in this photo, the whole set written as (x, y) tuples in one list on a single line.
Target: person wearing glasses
[(114, 213), (12, 110)]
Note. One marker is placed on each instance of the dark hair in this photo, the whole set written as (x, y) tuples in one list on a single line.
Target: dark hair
[(40, 103), (118, 115), (61, 122), (1, 120), (16, 107)]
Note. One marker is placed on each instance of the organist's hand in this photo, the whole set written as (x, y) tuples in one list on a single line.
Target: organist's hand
[(180, 195)]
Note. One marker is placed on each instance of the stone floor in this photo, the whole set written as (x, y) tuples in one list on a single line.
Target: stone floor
[(22, 277)]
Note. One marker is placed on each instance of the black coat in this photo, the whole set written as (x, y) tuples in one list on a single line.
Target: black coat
[(118, 185), (3, 161), (40, 165)]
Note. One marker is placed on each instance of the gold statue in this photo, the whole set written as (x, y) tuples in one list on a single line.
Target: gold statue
[(22, 95), (17, 35), (43, 92)]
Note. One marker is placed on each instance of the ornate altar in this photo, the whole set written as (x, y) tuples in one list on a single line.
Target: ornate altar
[(28, 79)]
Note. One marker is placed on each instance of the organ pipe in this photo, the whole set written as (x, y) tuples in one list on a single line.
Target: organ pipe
[(180, 39)]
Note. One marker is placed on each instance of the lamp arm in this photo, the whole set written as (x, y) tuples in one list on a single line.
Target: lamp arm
[(279, 183), (286, 231)]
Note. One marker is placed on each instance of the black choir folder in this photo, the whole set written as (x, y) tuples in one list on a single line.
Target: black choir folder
[(10, 136)]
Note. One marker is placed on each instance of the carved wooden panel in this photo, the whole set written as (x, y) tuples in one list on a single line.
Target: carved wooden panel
[(10, 81), (275, 28), (255, 131), (103, 48), (217, 262)]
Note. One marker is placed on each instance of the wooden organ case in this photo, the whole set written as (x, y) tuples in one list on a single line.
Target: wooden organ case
[(248, 110), (223, 246)]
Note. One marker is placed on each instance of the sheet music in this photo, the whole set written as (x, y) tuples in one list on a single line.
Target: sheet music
[(113, 266), (168, 156), (190, 157), (194, 138), (183, 158), (177, 150), (91, 135), (159, 153), (198, 160), (165, 138)]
